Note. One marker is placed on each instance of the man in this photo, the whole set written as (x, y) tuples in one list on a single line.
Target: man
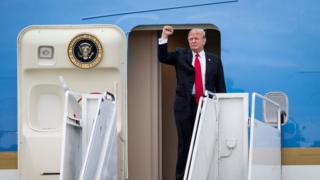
[(196, 71)]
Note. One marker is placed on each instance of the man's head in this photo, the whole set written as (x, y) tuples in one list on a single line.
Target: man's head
[(197, 39)]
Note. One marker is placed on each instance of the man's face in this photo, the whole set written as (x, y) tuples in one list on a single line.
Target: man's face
[(196, 41)]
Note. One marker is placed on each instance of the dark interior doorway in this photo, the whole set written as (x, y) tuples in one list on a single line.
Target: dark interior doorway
[(152, 139)]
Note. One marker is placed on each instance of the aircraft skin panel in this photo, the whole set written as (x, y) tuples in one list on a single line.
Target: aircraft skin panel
[(262, 40), (266, 45), (9, 174), (8, 160), (290, 156), (300, 156), (310, 172), (8, 139)]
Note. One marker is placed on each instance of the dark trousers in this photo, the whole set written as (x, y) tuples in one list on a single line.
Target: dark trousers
[(184, 125)]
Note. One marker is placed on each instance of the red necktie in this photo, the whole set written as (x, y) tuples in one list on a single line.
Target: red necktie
[(198, 78)]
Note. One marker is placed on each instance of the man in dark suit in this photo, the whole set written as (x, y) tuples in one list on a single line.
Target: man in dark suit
[(196, 71)]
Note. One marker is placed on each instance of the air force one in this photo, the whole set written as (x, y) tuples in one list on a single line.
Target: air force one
[(84, 97)]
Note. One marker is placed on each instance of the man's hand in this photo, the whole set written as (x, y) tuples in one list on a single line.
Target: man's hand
[(166, 32)]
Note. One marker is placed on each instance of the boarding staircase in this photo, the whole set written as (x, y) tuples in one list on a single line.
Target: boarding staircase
[(89, 145), (226, 144), (221, 147)]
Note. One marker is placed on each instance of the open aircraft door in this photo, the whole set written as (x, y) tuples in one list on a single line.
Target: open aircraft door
[(90, 58)]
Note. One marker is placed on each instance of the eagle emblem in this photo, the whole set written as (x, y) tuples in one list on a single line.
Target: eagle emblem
[(85, 51)]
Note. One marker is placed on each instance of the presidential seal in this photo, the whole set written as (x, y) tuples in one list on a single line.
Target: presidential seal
[(85, 51)]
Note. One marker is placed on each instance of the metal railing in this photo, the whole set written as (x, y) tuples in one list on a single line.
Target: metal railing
[(252, 125)]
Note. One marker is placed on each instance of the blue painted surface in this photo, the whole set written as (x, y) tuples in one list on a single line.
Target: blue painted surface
[(8, 141), (266, 45)]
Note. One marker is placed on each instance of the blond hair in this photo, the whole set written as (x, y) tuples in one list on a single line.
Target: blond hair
[(198, 30)]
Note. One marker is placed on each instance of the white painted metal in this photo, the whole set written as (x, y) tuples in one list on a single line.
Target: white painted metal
[(210, 160), (266, 152), (203, 141), (76, 133), (265, 146), (40, 96), (233, 136), (9, 174), (299, 172), (100, 162)]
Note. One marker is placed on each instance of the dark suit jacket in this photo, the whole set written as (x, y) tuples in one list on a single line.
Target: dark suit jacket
[(182, 60)]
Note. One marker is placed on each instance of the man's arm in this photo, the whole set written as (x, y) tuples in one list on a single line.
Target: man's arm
[(163, 55)]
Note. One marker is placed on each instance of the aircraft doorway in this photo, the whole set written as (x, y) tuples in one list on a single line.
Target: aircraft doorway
[(152, 138)]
